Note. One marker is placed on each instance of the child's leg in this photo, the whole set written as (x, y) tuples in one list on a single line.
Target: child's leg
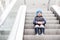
[(36, 29), (40, 31), (43, 30)]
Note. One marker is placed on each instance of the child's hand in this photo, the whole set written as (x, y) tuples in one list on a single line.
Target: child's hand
[(43, 22), (40, 22)]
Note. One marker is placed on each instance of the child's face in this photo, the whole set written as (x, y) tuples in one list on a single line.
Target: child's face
[(39, 14)]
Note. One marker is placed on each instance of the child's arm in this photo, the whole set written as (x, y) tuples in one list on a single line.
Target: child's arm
[(44, 21), (34, 21)]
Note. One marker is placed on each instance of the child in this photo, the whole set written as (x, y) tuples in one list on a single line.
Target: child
[(39, 23)]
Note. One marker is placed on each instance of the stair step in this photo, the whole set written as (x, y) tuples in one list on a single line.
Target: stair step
[(44, 12), (34, 7), (35, 13), (41, 37), (47, 18), (4, 31), (3, 37), (44, 15), (47, 22), (47, 32), (47, 26)]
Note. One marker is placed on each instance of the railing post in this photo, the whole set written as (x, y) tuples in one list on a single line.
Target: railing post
[(48, 8)]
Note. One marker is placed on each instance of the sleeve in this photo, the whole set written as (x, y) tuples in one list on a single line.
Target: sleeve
[(34, 21), (44, 21)]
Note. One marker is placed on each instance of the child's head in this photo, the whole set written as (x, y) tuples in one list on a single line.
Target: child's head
[(39, 12)]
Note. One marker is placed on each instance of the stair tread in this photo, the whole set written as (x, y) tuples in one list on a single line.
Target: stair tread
[(3, 37), (41, 37), (43, 12), (47, 32), (47, 26), (47, 18), (47, 15), (46, 21)]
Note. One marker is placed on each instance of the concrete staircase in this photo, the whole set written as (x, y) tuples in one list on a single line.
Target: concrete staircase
[(52, 27)]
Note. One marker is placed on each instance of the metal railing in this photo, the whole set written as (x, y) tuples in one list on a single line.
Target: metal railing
[(6, 12), (4, 4), (56, 10)]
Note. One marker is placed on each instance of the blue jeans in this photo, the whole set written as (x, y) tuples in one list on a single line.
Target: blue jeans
[(39, 30)]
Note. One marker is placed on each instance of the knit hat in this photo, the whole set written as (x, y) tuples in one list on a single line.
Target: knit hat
[(38, 10)]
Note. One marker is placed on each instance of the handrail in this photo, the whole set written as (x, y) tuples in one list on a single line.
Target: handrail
[(6, 12), (18, 28), (56, 10)]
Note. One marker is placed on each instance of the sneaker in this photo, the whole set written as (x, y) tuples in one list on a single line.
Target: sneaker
[(42, 34), (37, 34)]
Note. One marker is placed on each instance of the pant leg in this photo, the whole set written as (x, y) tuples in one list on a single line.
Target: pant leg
[(43, 30), (40, 31), (36, 29)]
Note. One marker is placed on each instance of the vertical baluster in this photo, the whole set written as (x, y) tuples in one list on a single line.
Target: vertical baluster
[(48, 5)]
